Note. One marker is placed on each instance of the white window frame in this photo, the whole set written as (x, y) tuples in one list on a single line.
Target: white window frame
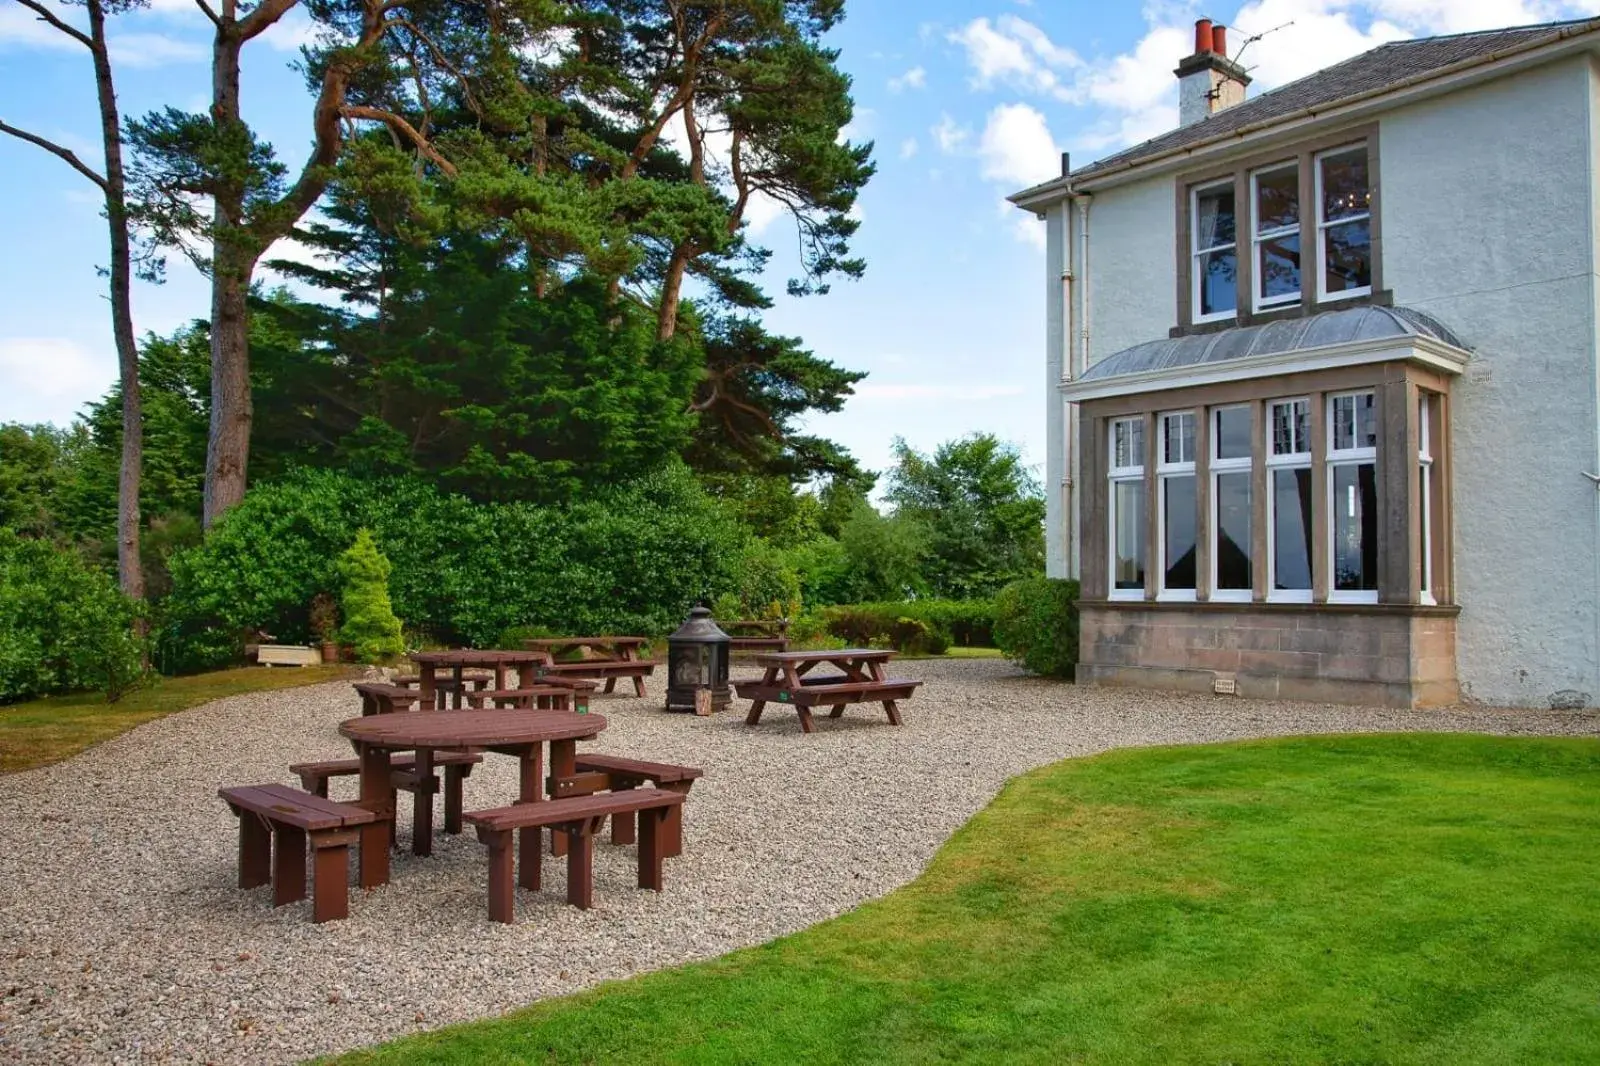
[(1425, 487), (1258, 237), (1338, 457), (1287, 461), (1166, 470), (1221, 466), (1197, 253), (1324, 225), (1115, 475)]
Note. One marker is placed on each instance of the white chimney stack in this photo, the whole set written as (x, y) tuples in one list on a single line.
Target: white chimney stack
[(1208, 81)]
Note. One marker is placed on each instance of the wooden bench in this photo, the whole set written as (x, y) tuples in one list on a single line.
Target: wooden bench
[(621, 774), (607, 670), (402, 775), (447, 693), (274, 824), (378, 698), (758, 634), (539, 698), (578, 817)]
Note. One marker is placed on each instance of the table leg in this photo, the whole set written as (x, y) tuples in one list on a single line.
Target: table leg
[(422, 804), (376, 796), (894, 712), (255, 850), (531, 790), (288, 865), (425, 687), (837, 711), (638, 687), (805, 718), (768, 677), (456, 675), (563, 763), (580, 867)]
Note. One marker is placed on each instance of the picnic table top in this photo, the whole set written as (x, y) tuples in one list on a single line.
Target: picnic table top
[(474, 729), (835, 655), (565, 642), (474, 657)]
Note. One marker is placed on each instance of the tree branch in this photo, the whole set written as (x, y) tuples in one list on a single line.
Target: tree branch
[(263, 18), (404, 129), (210, 14), (56, 150), (46, 15)]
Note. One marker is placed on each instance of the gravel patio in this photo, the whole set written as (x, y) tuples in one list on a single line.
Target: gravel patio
[(124, 939)]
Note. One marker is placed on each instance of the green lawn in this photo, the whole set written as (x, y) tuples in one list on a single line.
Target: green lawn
[(1413, 899), (48, 730)]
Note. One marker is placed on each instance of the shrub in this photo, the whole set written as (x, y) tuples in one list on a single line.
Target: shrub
[(765, 585), (369, 622), (910, 636), (64, 626), (969, 623), (1036, 625)]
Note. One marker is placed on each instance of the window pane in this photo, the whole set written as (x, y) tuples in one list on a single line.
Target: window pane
[(1291, 427), (1233, 531), (1178, 509), (1348, 262), (1355, 527), (1355, 421), (1278, 267), (1344, 185), (1218, 276), (1178, 433), (1214, 221), (1128, 507), (1277, 199), (1291, 529), (1232, 433), (1425, 514), (1129, 442)]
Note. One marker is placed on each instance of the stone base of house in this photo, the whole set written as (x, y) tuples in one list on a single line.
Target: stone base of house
[(1378, 655)]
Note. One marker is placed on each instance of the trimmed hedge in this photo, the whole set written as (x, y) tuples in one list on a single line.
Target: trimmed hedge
[(1036, 625), (914, 626)]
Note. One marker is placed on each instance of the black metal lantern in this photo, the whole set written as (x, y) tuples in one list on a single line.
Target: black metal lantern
[(697, 660)]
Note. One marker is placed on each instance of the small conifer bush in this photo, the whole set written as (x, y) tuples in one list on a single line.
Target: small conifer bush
[(370, 625)]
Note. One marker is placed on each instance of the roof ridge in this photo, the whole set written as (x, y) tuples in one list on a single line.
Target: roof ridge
[(1523, 28)]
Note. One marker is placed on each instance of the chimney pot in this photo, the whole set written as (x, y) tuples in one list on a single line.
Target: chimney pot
[(1203, 42), (1219, 40)]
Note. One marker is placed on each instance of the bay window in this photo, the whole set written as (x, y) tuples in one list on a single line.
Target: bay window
[(1289, 528), (1275, 224), (1214, 240), (1179, 540), (1353, 491), (1425, 493), (1231, 477), (1344, 224), (1127, 507)]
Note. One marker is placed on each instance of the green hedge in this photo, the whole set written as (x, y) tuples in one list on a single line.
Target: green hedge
[(633, 560), (64, 625), (1036, 625), (922, 626)]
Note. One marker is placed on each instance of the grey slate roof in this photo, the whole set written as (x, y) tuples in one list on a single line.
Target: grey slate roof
[(1272, 338), (1384, 67)]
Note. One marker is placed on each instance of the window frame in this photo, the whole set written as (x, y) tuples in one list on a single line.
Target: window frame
[(1335, 458), (1258, 302), (1323, 225), (1196, 253), (1287, 461), (1116, 475), (1165, 471), (1218, 466), (1425, 515)]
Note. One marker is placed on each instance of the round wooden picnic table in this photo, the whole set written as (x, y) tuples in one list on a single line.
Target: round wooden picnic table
[(508, 732), (525, 662)]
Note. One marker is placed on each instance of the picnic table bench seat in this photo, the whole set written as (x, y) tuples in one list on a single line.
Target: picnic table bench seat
[(621, 774), (379, 698), (457, 766), (757, 634), (275, 822), (608, 670), (578, 818), (538, 698)]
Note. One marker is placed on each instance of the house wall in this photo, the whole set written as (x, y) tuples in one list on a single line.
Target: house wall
[(1488, 202), (1056, 339), (1133, 267)]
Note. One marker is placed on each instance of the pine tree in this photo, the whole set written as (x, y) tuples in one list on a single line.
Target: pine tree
[(370, 624)]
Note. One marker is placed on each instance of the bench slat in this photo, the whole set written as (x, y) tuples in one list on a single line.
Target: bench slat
[(664, 773), (605, 668), (290, 806), (398, 761), (573, 809)]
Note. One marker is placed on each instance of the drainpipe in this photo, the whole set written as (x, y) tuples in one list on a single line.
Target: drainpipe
[(1069, 412), (1073, 503)]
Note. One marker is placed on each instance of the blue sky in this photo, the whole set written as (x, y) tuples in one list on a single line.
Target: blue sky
[(966, 101)]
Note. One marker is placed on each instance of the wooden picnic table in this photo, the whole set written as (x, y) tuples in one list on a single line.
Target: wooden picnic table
[(860, 679), (598, 657), (455, 661), (518, 733)]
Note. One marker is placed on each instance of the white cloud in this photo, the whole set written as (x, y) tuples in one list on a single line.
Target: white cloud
[(1016, 146), (915, 78), (891, 392), (21, 29), (908, 148), (49, 378), (950, 136), (859, 128), (292, 32), (1013, 52)]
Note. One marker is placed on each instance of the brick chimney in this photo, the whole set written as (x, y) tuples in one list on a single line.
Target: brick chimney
[(1208, 81)]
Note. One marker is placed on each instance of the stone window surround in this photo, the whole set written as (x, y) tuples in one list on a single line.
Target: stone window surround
[(1398, 387), (1304, 153)]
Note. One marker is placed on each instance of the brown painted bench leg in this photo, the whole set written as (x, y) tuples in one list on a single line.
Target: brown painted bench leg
[(611, 685), (672, 822), (754, 716), (427, 783), (805, 719), (837, 711), (638, 687), (622, 825), (453, 777), (502, 889), (894, 712), (652, 829), (580, 867), (255, 851), (377, 797), (330, 898), (288, 865), (316, 784)]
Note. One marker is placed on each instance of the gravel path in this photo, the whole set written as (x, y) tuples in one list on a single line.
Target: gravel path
[(150, 952)]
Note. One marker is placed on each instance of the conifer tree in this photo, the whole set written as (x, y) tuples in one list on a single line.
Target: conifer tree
[(370, 624)]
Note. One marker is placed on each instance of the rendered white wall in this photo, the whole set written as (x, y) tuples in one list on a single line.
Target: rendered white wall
[(1133, 270), (1488, 212), (1057, 231)]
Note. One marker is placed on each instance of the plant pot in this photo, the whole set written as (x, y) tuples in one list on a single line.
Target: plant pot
[(330, 651)]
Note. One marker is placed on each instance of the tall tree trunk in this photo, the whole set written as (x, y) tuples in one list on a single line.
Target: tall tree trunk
[(130, 569), (671, 291), (233, 259)]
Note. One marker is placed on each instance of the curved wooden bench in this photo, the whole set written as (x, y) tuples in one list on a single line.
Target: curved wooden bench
[(378, 698), (622, 774), (457, 765), (578, 817), (275, 822)]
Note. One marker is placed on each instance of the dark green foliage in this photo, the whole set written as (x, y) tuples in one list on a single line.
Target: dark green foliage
[(36, 463), (369, 622), (1036, 625), (981, 513), (925, 626), (764, 586), (634, 559), (64, 625)]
